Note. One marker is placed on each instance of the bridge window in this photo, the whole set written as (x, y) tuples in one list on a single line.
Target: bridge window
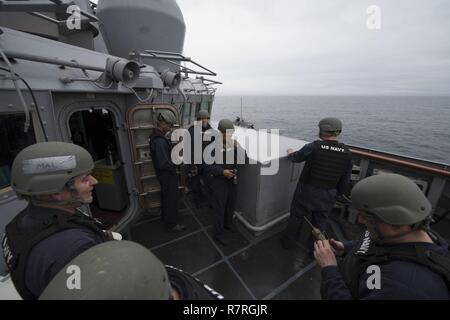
[(194, 111), (186, 114), (205, 106)]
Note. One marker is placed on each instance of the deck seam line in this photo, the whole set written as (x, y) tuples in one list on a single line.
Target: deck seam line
[(155, 218), (175, 240), (195, 274), (288, 282), (224, 257)]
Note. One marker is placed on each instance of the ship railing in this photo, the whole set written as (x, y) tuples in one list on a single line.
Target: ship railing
[(435, 175), (173, 58), (402, 161)]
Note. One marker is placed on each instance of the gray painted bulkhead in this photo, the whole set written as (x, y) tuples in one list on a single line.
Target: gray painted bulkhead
[(58, 100)]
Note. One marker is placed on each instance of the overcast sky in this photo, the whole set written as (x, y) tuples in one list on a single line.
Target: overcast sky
[(308, 47)]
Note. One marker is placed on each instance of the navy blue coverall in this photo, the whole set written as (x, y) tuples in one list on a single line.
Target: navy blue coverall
[(309, 198), (165, 170), (400, 280), (222, 190)]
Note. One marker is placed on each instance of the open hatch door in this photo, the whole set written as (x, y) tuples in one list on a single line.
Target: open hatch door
[(141, 120)]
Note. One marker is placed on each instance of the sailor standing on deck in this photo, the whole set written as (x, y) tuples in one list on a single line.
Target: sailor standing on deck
[(165, 169), (55, 177), (198, 144), (399, 257), (221, 178), (326, 174)]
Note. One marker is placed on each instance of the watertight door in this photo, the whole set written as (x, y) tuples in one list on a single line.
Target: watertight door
[(141, 120)]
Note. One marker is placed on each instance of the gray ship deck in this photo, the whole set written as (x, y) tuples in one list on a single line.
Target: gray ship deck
[(249, 267)]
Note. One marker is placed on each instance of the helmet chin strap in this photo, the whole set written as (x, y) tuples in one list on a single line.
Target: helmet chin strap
[(74, 201)]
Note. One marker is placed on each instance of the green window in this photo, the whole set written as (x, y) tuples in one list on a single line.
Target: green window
[(204, 106), (186, 112)]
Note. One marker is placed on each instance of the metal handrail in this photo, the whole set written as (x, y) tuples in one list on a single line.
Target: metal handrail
[(51, 60), (59, 22), (171, 57), (405, 163)]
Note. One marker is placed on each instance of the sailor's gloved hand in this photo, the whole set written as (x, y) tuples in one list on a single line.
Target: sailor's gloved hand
[(323, 254)]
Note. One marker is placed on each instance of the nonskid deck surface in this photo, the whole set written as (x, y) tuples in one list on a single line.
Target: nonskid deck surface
[(247, 268)]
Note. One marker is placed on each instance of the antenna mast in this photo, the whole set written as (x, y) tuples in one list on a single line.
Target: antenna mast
[(241, 110)]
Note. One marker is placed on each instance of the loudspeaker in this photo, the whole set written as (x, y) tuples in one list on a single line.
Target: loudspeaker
[(122, 70), (170, 79)]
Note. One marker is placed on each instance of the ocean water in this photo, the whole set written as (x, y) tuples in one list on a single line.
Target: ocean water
[(408, 125)]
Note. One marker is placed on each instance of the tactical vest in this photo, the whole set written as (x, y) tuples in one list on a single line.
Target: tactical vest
[(18, 241), (366, 253), (326, 165), (189, 287)]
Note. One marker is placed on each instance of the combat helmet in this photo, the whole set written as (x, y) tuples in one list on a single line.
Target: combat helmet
[(45, 168), (330, 125), (113, 270), (202, 114), (392, 198), (225, 124), (167, 116)]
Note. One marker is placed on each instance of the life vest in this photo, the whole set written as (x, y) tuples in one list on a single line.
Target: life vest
[(18, 241), (189, 287), (326, 165), (367, 253)]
